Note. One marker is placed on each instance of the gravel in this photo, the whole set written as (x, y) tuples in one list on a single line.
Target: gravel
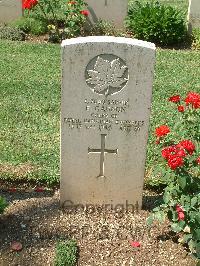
[(36, 220)]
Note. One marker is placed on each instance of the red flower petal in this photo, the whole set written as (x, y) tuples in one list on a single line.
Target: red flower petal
[(12, 189), (162, 131), (175, 98), (16, 246), (39, 189), (181, 108), (135, 244), (198, 160)]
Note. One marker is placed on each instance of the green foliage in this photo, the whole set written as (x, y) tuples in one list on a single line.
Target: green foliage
[(30, 25), (72, 22), (3, 204), (74, 19), (181, 198), (196, 39), (157, 23), (102, 28), (12, 34), (66, 253)]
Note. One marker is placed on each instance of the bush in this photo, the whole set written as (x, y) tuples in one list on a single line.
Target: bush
[(12, 34), (66, 253), (180, 156), (157, 23), (3, 204), (102, 28), (196, 39), (30, 25)]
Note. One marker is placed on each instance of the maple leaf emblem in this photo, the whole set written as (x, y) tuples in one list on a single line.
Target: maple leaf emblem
[(107, 75)]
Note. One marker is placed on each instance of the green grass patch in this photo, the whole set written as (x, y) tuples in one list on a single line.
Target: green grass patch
[(66, 253), (30, 84), (30, 100)]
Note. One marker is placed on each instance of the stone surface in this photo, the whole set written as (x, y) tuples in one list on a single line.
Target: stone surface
[(110, 10), (10, 10), (193, 15), (105, 109)]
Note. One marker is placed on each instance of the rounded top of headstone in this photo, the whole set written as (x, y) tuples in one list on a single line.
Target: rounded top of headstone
[(108, 39)]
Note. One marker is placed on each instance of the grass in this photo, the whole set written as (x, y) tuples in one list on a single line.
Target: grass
[(66, 253), (30, 105), (30, 93)]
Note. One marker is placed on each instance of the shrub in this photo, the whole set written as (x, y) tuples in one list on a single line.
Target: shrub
[(73, 19), (102, 28), (157, 23), (3, 204), (12, 34), (196, 39), (66, 253), (30, 25), (180, 154)]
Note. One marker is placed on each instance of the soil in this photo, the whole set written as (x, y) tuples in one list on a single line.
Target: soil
[(35, 219)]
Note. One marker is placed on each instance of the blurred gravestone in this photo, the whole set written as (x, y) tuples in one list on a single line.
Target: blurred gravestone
[(113, 11), (10, 10), (193, 15)]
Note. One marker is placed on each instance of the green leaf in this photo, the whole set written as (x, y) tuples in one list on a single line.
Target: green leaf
[(150, 220), (182, 181), (194, 201), (187, 237), (176, 228)]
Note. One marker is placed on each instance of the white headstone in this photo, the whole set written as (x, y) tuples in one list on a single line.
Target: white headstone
[(10, 10), (193, 15), (113, 11), (105, 109)]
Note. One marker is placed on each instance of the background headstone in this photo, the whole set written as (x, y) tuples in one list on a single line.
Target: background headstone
[(105, 109), (193, 15), (10, 10), (113, 11)]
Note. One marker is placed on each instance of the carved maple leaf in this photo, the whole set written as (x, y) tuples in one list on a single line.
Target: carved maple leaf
[(106, 74)]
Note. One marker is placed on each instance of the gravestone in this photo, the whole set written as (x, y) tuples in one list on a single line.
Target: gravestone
[(193, 15), (113, 11), (105, 109), (10, 10)]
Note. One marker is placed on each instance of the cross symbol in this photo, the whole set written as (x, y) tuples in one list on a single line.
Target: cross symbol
[(102, 152), (106, 2)]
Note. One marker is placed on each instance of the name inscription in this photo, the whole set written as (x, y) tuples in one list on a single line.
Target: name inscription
[(104, 115)]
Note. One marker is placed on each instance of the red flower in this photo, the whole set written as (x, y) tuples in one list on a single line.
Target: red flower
[(181, 108), (198, 160), (135, 244), (29, 4), (181, 216), (174, 161), (16, 246), (84, 12), (193, 98), (179, 208), (175, 98), (166, 152), (188, 145), (180, 212), (162, 131), (173, 150)]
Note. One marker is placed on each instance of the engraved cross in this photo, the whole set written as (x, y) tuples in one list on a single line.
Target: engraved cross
[(102, 152), (106, 2)]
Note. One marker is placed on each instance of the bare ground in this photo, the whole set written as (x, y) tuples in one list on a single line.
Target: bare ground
[(36, 220)]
